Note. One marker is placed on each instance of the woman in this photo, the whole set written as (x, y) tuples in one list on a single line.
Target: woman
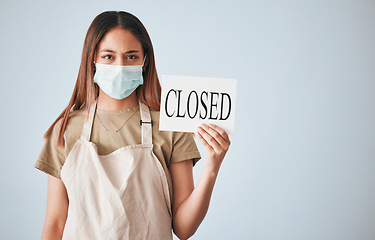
[(110, 169)]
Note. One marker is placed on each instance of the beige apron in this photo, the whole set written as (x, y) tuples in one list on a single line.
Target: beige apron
[(122, 195)]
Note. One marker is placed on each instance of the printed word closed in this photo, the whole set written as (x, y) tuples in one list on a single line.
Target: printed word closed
[(203, 105)]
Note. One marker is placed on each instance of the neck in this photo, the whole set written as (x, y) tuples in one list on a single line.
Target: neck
[(105, 102)]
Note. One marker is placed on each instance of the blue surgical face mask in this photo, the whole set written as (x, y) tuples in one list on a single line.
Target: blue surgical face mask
[(118, 81)]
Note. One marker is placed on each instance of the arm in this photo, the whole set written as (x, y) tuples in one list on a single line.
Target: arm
[(57, 209), (190, 204)]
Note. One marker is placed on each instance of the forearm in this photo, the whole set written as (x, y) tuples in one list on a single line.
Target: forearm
[(192, 211), (52, 231)]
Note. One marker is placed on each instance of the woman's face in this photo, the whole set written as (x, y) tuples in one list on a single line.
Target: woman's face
[(119, 47)]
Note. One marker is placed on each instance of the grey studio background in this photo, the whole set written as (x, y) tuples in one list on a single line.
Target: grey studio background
[(301, 165)]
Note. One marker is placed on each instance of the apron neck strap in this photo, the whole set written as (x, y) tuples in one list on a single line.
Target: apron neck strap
[(146, 123), (87, 126)]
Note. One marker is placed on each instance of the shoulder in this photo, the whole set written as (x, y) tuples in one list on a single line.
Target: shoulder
[(76, 117), (155, 116), (74, 125), (165, 135)]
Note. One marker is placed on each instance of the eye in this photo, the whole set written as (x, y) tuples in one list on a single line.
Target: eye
[(132, 57), (107, 57)]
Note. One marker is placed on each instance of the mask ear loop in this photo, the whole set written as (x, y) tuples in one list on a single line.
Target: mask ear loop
[(144, 59)]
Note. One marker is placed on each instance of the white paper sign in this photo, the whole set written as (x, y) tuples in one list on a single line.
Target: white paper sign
[(187, 102)]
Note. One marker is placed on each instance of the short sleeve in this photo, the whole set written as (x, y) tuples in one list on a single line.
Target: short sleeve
[(184, 148), (51, 157)]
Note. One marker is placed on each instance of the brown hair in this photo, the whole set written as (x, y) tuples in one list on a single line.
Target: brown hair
[(85, 91)]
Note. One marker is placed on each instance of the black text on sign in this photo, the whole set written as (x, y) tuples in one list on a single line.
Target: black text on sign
[(202, 105)]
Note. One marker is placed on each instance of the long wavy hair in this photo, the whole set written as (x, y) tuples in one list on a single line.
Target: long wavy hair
[(85, 91)]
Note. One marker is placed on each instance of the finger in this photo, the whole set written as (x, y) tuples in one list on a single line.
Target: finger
[(209, 139), (221, 131), (216, 135), (202, 140)]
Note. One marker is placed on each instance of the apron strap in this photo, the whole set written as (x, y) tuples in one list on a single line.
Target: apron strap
[(146, 123), (87, 126)]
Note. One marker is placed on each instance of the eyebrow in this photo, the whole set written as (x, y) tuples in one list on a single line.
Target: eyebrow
[(111, 51)]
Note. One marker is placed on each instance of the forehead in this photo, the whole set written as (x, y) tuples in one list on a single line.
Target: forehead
[(118, 39)]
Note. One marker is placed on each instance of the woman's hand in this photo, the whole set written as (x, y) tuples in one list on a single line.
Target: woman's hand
[(216, 142)]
